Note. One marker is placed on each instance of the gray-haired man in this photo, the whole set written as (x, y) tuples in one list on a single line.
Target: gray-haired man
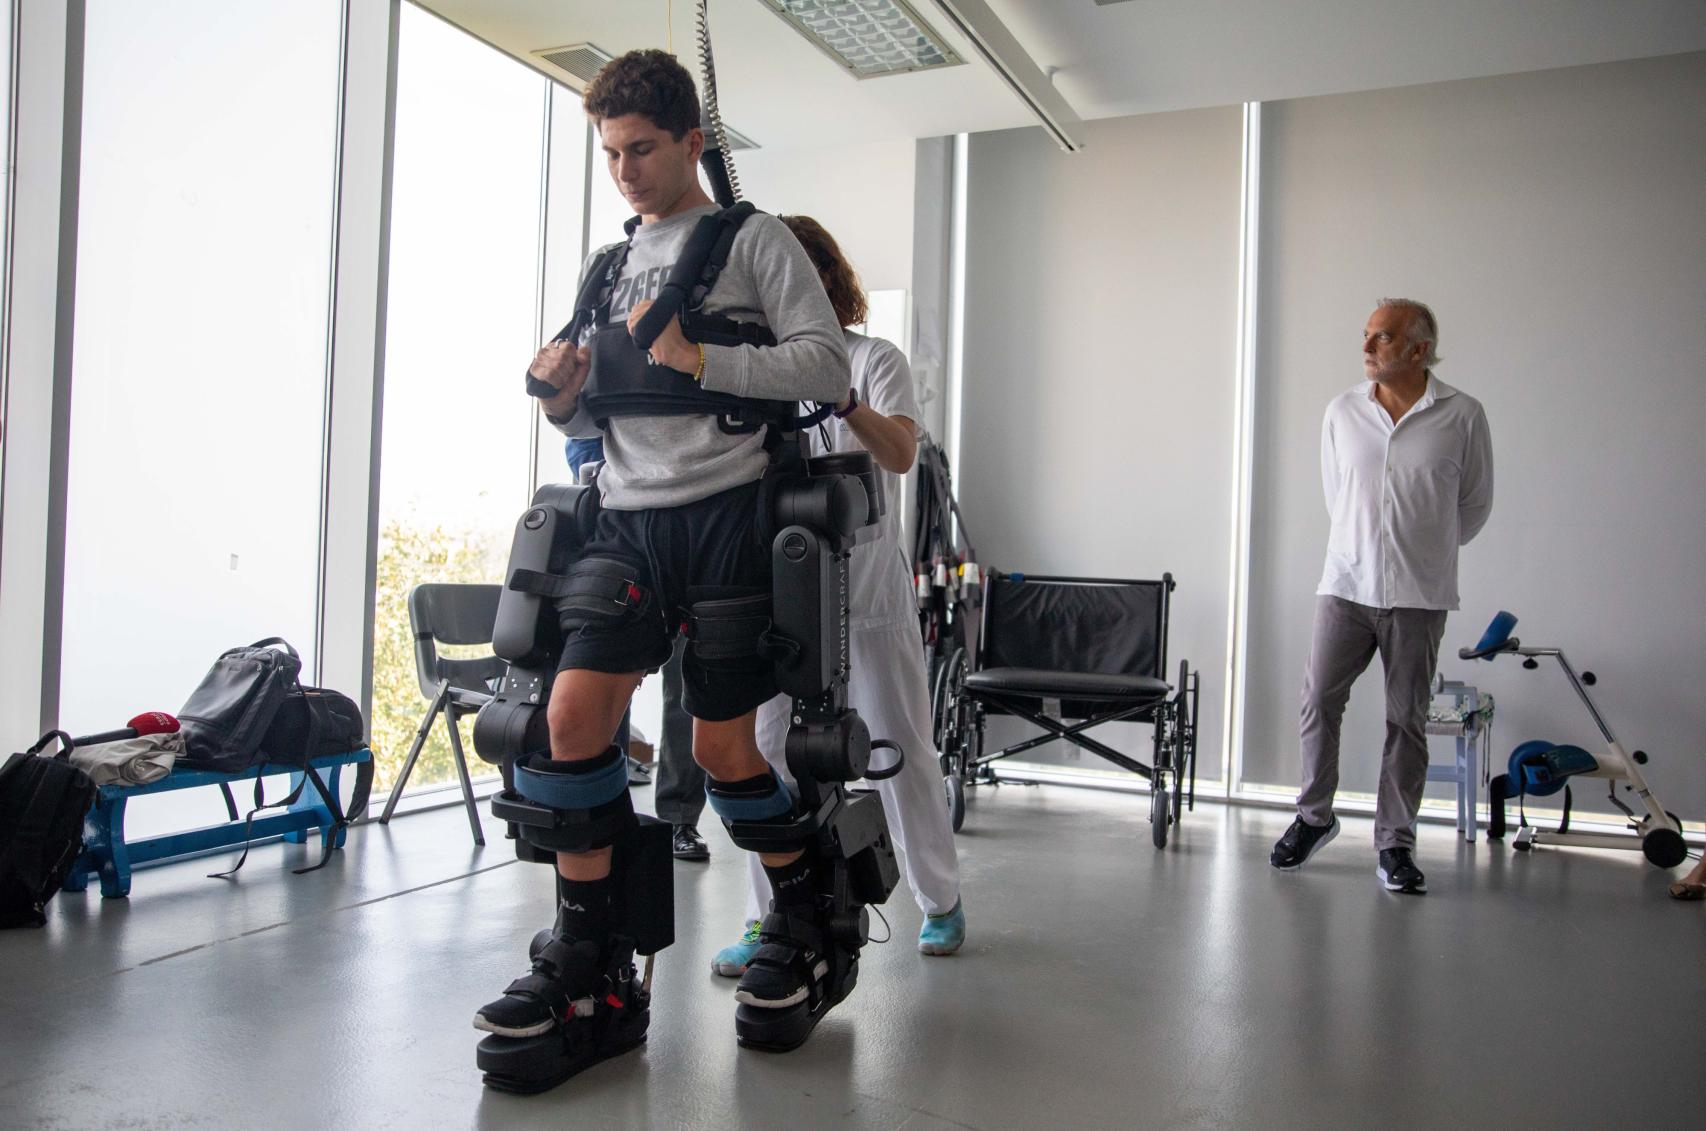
[(1407, 467)]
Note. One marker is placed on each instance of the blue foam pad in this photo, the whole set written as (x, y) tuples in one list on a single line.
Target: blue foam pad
[(1497, 632), (751, 807), (1540, 768), (1522, 766), (557, 790)]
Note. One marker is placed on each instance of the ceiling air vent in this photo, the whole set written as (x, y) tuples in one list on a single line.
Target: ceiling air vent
[(579, 63), (575, 64), (738, 141)]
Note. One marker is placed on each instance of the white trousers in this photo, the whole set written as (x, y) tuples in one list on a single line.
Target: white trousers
[(889, 691)]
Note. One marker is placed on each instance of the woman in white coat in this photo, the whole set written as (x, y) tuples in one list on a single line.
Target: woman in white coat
[(889, 687)]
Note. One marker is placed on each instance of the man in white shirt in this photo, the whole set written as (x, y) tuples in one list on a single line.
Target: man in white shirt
[(1407, 468)]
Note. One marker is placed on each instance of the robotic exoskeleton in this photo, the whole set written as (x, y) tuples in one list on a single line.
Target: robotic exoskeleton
[(811, 511)]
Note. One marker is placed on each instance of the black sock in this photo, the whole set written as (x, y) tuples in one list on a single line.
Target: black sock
[(792, 883), (583, 908)]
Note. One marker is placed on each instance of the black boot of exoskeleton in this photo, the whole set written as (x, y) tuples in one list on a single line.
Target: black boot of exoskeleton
[(802, 969), (808, 956), (582, 1002)]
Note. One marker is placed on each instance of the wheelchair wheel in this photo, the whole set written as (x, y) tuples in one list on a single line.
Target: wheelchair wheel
[(944, 690), (956, 792), (1160, 811), (970, 771), (1184, 741)]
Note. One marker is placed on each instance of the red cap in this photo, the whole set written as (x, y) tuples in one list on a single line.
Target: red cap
[(153, 722)]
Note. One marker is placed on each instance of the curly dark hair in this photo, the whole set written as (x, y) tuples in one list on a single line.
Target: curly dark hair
[(649, 82), (846, 293)]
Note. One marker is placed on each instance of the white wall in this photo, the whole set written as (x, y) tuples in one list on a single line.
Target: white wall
[(861, 193), (1101, 299), (1554, 220)]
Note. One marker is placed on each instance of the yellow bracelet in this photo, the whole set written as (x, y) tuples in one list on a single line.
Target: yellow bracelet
[(700, 372)]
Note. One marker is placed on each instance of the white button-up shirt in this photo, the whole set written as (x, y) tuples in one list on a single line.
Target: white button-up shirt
[(1403, 497)]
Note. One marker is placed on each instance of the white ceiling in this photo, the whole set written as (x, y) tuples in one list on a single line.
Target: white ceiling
[(1127, 57)]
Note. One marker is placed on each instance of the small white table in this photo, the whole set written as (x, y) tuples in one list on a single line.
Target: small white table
[(1460, 711)]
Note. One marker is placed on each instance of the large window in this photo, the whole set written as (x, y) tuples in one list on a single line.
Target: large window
[(5, 206), (462, 325), (204, 252)]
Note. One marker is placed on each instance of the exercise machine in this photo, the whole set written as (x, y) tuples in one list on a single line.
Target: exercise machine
[(1539, 768)]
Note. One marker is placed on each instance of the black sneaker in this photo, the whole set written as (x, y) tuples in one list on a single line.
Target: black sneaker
[(789, 966), (1300, 842), (687, 844), (1399, 872), (564, 982)]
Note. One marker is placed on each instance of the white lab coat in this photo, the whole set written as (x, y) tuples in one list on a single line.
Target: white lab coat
[(889, 687)]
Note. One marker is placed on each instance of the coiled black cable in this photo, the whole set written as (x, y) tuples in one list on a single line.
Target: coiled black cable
[(713, 114)]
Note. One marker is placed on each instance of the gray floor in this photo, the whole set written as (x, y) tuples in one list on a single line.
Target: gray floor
[(1105, 985)]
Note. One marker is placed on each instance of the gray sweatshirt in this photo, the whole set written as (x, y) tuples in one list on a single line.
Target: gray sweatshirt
[(668, 461)]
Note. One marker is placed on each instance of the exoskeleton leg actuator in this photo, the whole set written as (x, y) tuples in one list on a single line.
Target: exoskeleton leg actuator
[(816, 512), (845, 832)]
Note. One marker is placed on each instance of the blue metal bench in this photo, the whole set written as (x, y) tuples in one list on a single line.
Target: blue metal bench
[(107, 854)]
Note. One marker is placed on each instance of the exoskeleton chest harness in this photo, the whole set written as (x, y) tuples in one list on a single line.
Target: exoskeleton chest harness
[(623, 379), (812, 512)]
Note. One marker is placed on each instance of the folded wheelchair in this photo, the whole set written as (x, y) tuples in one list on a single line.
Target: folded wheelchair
[(944, 565), (1068, 654)]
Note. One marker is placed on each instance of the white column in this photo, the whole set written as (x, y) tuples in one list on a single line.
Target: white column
[(35, 365), (356, 350), (1243, 446)]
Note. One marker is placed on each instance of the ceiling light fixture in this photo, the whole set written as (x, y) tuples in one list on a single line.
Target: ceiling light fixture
[(870, 38)]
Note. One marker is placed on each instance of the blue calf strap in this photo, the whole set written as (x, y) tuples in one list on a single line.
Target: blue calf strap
[(779, 802), (558, 790)]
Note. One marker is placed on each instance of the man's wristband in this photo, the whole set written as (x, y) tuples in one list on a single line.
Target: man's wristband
[(699, 373), (852, 403)]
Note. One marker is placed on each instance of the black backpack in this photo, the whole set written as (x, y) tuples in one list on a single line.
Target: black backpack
[(251, 709), (43, 801), (226, 718)]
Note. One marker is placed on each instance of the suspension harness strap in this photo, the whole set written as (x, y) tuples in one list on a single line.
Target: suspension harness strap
[(696, 271), (624, 381), (592, 301)]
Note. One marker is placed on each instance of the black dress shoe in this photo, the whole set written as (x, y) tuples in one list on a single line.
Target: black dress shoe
[(687, 844)]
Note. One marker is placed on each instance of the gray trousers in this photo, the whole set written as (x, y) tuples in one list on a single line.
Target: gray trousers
[(1347, 636), (678, 782)]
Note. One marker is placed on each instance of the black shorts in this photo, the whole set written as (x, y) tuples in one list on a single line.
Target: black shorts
[(701, 551)]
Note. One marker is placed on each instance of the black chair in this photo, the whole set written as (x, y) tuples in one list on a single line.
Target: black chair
[(1068, 654), (456, 615)]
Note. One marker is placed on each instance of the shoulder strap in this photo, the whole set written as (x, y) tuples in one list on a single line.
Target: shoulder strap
[(729, 222), (696, 269), (595, 291), (260, 789), (592, 304)]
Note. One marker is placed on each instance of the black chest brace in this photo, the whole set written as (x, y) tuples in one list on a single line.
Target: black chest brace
[(624, 381)]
